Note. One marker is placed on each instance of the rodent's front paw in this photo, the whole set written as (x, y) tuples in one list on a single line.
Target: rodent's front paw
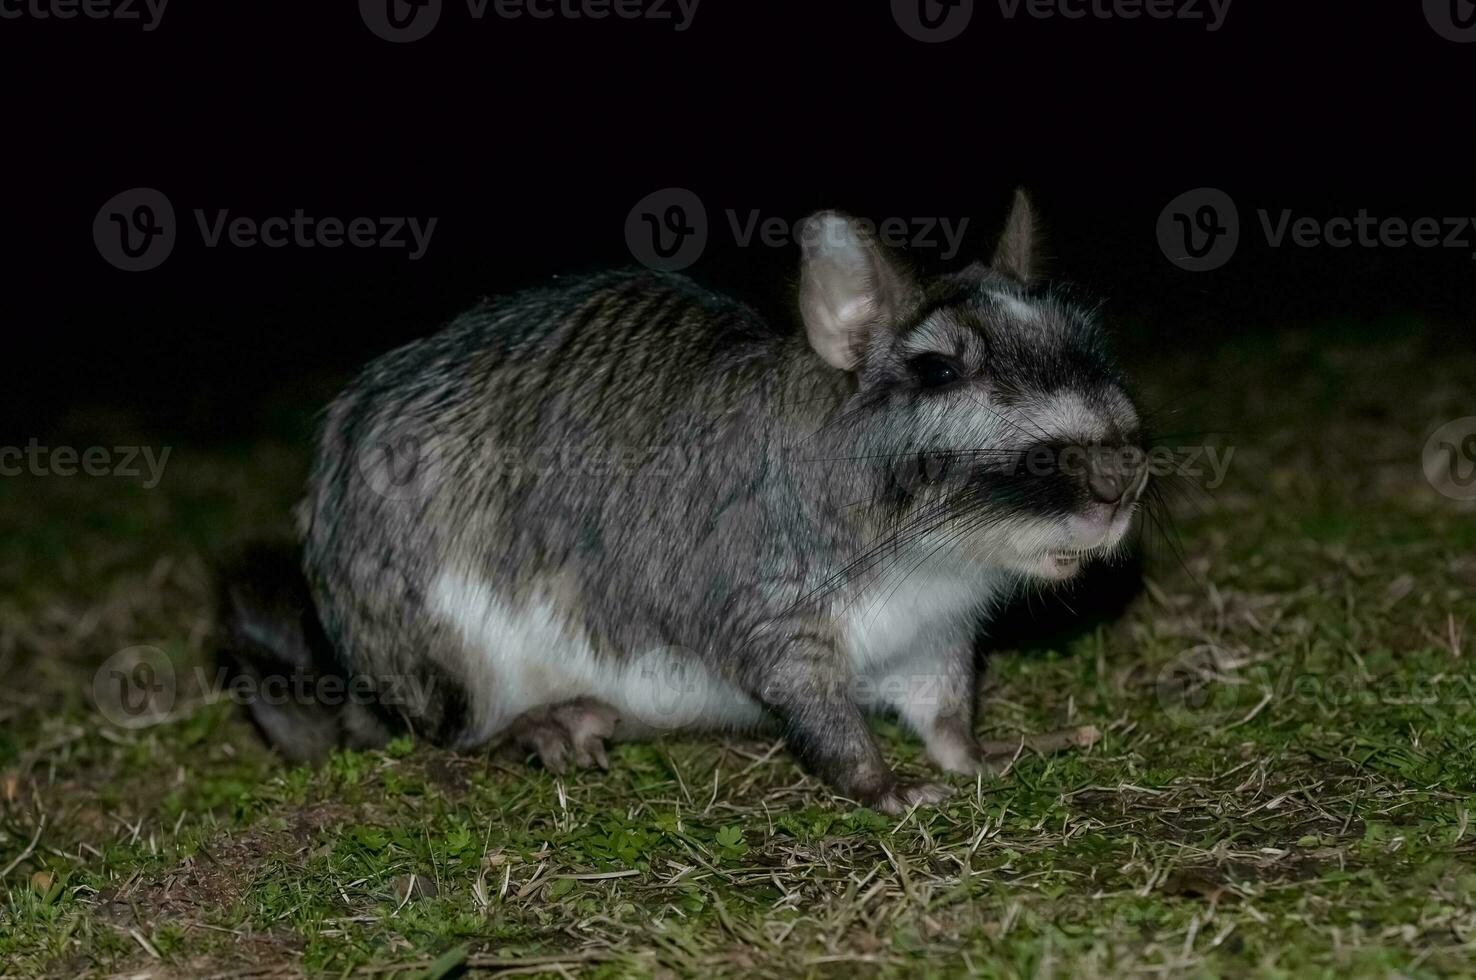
[(956, 751), (901, 796), (977, 766)]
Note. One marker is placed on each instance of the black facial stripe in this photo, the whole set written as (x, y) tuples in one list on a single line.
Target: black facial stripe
[(1024, 494), (980, 485)]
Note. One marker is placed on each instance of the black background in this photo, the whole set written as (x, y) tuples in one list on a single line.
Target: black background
[(530, 141)]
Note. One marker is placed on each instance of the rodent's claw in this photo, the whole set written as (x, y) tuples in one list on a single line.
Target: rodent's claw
[(543, 738), (592, 753), (574, 731), (903, 796)]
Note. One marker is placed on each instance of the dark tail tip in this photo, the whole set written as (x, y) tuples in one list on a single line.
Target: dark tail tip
[(277, 656)]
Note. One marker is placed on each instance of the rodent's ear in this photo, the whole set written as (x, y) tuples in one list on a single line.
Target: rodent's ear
[(848, 286), (1017, 253)]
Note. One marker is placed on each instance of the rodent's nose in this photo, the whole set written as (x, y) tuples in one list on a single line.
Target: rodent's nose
[(1110, 474)]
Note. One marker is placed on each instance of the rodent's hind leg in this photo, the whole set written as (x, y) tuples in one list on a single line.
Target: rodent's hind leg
[(571, 732)]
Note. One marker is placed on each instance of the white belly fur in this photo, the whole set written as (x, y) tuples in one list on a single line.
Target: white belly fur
[(925, 614), (525, 656)]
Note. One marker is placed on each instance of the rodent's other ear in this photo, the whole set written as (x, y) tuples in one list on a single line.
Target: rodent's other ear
[(1017, 253), (848, 286)]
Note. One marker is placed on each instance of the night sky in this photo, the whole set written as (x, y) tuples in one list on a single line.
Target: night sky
[(530, 141)]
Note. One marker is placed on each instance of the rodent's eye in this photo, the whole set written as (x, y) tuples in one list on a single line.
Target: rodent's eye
[(935, 370)]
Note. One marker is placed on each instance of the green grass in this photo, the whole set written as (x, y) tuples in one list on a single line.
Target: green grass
[(1283, 785)]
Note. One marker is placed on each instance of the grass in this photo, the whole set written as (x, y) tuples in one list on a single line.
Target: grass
[(1282, 787)]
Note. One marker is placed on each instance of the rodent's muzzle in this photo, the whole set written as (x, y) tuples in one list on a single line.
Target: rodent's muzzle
[(1113, 473), (1098, 474)]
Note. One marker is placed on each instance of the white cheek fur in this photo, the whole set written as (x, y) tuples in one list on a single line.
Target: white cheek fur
[(918, 604)]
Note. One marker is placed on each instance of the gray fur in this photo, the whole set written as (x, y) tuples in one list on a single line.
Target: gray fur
[(666, 471)]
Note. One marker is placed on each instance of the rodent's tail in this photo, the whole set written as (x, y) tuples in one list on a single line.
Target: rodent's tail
[(280, 663)]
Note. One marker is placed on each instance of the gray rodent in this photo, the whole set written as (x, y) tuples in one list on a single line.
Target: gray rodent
[(624, 504)]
